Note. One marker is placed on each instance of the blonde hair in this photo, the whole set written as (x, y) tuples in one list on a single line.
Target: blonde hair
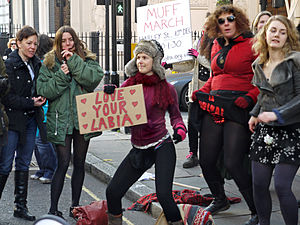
[(292, 43), (9, 42), (256, 20)]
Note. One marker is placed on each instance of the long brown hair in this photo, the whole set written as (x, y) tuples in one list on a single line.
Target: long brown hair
[(292, 43), (242, 22), (78, 44)]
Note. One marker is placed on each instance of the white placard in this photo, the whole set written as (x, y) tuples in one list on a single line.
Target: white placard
[(170, 24)]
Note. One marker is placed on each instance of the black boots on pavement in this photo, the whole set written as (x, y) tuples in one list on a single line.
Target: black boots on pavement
[(3, 179), (191, 161), (220, 202), (21, 187), (248, 196)]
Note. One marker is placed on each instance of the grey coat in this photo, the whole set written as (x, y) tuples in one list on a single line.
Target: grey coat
[(282, 93)]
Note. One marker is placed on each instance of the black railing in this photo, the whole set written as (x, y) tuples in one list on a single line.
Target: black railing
[(95, 41)]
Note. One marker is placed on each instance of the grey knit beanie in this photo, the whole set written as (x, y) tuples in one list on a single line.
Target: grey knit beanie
[(154, 50)]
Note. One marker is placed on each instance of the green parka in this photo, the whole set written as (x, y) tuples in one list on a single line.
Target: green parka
[(60, 89)]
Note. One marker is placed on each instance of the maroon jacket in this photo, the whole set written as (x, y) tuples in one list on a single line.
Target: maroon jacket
[(231, 66), (155, 129)]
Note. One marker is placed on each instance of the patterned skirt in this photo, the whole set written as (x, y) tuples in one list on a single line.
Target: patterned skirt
[(272, 145)]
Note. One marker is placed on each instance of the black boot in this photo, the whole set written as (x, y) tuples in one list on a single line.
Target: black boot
[(248, 196), (21, 186), (3, 179), (220, 202)]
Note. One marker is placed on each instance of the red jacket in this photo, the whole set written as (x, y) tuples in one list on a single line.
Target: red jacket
[(231, 66)]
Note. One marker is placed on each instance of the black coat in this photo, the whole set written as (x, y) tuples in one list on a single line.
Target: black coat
[(7, 52), (18, 102)]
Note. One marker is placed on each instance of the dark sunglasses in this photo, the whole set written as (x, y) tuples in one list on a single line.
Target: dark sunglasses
[(13, 43), (230, 19)]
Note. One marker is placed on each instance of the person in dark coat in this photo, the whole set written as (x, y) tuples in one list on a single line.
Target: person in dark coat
[(11, 46), (275, 120), (23, 108), (4, 87)]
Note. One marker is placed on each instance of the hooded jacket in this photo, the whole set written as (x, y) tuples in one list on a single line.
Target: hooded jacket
[(282, 93), (60, 89)]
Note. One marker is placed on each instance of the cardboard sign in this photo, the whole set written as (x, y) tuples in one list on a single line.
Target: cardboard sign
[(170, 24), (98, 111)]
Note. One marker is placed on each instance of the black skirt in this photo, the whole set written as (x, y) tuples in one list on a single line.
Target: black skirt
[(273, 145)]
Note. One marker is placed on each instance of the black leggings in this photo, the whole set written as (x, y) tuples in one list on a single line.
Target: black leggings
[(80, 147), (284, 175), (234, 139), (193, 135), (126, 175)]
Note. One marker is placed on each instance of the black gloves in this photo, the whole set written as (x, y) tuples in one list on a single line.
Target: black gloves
[(179, 133), (109, 88)]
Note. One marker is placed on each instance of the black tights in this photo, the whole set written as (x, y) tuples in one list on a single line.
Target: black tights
[(284, 175), (126, 175), (234, 139), (193, 135), (80, 147)]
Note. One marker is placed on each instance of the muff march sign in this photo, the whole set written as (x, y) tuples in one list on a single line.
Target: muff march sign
[(170, 24), (99, 111)]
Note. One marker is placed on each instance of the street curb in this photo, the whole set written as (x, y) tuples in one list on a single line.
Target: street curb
[(104, 172)]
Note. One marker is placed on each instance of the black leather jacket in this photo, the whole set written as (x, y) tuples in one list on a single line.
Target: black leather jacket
[(282, 93)]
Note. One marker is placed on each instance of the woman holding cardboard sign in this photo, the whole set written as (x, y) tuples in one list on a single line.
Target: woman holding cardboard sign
[(69, 70), (151, 142)]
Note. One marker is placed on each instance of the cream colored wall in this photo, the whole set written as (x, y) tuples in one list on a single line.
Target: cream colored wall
[(86, 16)]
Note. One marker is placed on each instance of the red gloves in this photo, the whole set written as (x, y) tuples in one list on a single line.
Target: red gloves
[(193, 52), (194, 97), (179, 133), (243, 102)]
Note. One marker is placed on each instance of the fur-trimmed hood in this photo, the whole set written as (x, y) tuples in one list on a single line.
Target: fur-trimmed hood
[(49, 60), (154, 50)]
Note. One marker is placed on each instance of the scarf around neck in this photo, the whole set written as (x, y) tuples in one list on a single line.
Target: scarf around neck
[(162, 94)]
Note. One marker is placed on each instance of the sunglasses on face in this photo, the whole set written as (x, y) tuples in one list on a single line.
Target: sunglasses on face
[(230, 19), (13, 43)]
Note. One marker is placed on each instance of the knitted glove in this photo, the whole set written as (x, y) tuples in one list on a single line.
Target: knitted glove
[(166, 65), (193, 52), (243, 101), (179, 133), (109, 88)]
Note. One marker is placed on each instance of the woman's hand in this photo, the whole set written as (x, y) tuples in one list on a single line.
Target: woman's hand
[(66, 54), (252, 123), (267, 117), (39, 101), (64, 67)]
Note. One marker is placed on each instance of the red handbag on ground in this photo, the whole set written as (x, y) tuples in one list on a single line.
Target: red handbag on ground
[(92, 214)]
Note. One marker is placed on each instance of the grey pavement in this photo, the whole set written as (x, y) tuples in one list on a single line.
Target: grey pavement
[(107, 151)]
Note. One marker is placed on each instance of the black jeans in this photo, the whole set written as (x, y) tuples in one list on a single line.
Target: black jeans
[(126, 175)]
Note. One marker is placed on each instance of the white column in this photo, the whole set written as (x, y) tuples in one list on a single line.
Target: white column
[(29, 13), (44, 16)]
